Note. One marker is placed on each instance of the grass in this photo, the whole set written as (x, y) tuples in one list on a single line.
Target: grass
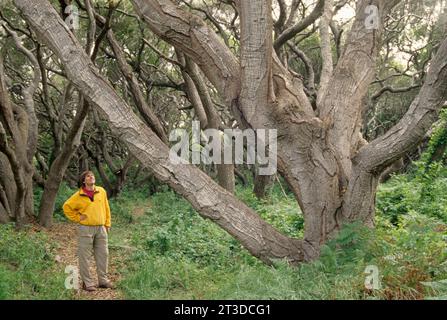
[(182, 256), (27, 267), (167, 251)]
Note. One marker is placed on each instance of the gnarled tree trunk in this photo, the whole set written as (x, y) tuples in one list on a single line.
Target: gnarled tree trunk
[(18, 141), (332, 171)]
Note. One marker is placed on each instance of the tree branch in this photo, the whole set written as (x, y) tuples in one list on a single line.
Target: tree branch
[(279, 24), (146, 112), (256, 61), (341, 106), (391, 89), (192, 36), (326, 49), (290, 32), (422, 113), (308, 65), (28, 94), (172, 61)]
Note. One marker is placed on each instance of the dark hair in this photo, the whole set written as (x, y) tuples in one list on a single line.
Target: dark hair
[(82, 177)]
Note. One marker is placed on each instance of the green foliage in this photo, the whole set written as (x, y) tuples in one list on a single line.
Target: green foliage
[(277, 209), (161, 277), (411, 253), (182, 256), (395, 198), (27, 267), (404, 255), (422, 191), (63, 194), (171, 228), (123, 206), (437, 139)]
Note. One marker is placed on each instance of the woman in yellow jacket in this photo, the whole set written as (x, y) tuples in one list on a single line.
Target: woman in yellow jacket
[(90, 208)]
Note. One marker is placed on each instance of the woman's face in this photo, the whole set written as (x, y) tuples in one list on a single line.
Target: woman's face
[(89, 179)]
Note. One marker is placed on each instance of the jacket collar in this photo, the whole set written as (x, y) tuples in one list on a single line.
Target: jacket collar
[(82, 193)]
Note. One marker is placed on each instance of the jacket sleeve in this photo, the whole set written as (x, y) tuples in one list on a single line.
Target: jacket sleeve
[(70, 210), (107, 208)]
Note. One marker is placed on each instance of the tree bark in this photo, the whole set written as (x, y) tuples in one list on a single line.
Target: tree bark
[(60, 165), (261, 184), (18, 137), (209, 199)]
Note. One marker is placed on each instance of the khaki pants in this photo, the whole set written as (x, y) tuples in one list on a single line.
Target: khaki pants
[(93, 237)]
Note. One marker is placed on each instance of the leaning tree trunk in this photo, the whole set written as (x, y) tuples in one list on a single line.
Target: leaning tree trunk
[(73, 139), (60, 165)]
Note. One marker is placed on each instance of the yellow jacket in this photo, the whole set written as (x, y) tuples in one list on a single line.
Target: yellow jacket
[(97, 211)]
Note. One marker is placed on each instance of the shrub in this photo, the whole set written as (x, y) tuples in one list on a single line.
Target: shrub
[(422, 191)]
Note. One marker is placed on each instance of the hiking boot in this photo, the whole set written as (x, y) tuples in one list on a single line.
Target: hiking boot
[(89, 288), (106, 285)]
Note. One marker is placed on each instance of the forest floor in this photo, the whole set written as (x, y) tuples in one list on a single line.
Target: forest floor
[(160, 248)]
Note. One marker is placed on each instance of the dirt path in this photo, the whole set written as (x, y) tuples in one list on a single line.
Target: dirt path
[(64, 237)]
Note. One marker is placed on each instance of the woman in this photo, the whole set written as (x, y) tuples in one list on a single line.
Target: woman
[(90, 208)]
